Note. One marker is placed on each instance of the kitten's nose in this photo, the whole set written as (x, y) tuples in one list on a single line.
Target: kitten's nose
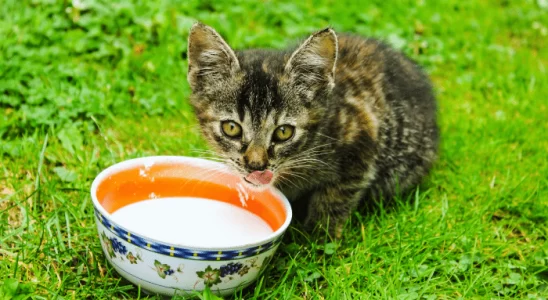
[(255, 158)]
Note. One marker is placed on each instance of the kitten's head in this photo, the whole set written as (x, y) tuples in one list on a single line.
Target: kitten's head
[(261, 110)]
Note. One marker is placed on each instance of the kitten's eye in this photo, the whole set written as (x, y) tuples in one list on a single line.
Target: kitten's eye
[(231, 129), (283, 133)]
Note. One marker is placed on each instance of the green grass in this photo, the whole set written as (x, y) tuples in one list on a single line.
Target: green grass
[(83, 88)]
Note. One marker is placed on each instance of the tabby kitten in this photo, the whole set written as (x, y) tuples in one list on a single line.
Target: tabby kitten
[(338, 119)]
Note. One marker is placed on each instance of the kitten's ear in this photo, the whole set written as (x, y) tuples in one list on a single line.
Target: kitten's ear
[(210, 59), (313, 63)]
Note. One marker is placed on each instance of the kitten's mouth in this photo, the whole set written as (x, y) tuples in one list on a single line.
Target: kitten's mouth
[(259, 178)]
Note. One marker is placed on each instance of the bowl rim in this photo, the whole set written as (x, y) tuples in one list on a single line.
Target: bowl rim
[(126, 164)]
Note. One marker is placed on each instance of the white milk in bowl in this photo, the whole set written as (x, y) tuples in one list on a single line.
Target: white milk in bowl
[(196, 222)]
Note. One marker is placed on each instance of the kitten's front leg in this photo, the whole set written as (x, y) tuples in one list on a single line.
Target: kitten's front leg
[(330, 207)]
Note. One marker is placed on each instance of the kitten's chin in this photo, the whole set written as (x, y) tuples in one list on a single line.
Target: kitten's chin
[(260, 177), (255, 184)]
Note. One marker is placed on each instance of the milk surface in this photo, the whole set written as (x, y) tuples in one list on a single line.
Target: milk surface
[(192, 222)]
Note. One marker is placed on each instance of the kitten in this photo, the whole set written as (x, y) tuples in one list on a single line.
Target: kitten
[(336, 120)]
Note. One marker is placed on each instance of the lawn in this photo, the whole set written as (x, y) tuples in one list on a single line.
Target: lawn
[(85, 84)]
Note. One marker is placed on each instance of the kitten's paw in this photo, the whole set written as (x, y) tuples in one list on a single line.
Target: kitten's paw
[(339, 229)]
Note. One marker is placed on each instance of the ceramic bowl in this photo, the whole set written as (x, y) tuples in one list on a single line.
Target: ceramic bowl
[(151, 248)]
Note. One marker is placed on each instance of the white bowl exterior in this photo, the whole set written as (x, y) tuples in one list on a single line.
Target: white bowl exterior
[(168, 274)]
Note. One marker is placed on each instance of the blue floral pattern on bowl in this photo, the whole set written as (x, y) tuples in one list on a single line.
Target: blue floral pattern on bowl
[(169, 250), (119, 253)]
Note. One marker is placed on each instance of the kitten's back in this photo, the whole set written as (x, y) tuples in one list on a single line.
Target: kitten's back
[(397, 98)]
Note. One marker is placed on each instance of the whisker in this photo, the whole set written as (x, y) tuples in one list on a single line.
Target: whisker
[(286, 180), (299, 176), (307, 162), (329, 137), (204, 175)]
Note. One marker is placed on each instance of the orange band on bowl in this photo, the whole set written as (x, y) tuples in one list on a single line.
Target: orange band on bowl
[(162, 180)]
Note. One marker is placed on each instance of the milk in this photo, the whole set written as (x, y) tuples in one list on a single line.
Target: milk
[(195, 222)]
